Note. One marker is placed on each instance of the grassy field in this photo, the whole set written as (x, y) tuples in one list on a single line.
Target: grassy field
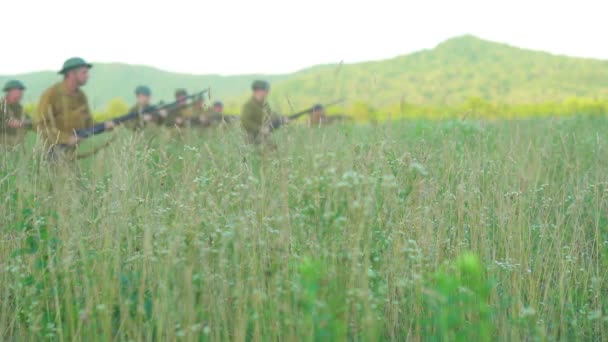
[(438, 231)]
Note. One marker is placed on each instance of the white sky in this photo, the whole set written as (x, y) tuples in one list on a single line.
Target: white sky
[(277, 36)]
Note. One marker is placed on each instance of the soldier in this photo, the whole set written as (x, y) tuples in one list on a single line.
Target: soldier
[(218, 107), (210, 117), (199, 114), (64, 108), (11, 113), (143, 95), (181, 96), (218, 116), (257, 118), (179, 115), (318, 116)]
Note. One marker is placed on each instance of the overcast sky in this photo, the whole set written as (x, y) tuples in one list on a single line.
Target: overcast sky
[(277, 36)]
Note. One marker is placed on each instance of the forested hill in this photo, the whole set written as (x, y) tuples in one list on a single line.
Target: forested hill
[(454, 71), (457, 69)]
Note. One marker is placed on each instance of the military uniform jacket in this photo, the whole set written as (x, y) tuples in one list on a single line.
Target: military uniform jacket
[(183, 111), (60, 113), (214, 117), (255, 115), (8, 111), (139, 123), (318, 118)]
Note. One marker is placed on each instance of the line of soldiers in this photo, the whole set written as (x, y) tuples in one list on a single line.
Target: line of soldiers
[(63, 109), (258, 120), (183, 114)]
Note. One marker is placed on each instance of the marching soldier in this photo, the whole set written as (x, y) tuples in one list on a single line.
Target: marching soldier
[(64, 108), (257, 118), (318, 116), (14, 122), (210, 117), (143, 95), (197, 113), (181, 113), (217, 114), (218, 107)]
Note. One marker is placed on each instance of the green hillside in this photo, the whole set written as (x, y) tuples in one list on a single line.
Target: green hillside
[(456, 70)]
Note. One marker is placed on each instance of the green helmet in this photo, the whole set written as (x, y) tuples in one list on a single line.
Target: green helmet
[(73, 63), (218, 104), (13, 84), (143, 90), (260, 85), (181, 92)]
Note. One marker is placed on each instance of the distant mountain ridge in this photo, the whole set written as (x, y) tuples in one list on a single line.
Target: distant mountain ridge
[(454, 71), (108, 81)]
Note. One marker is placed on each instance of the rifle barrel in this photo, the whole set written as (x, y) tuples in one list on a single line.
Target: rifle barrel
[(100, 128), (311, 109)]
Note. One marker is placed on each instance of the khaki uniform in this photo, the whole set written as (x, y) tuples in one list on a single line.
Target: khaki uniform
[(206, 118), (11, 136), (215, 118), (254, 117), (60, 114), (318, 118), (197, 115), (139, 123), (184, 112)]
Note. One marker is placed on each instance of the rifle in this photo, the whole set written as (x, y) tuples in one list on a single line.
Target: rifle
[(333, 118), (278, 122), (154, 110), (213, 119)]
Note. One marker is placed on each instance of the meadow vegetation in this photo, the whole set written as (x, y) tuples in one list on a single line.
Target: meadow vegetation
[(456, 230)]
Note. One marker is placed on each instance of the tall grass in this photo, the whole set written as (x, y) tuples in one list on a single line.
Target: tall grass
[(411, 231)]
